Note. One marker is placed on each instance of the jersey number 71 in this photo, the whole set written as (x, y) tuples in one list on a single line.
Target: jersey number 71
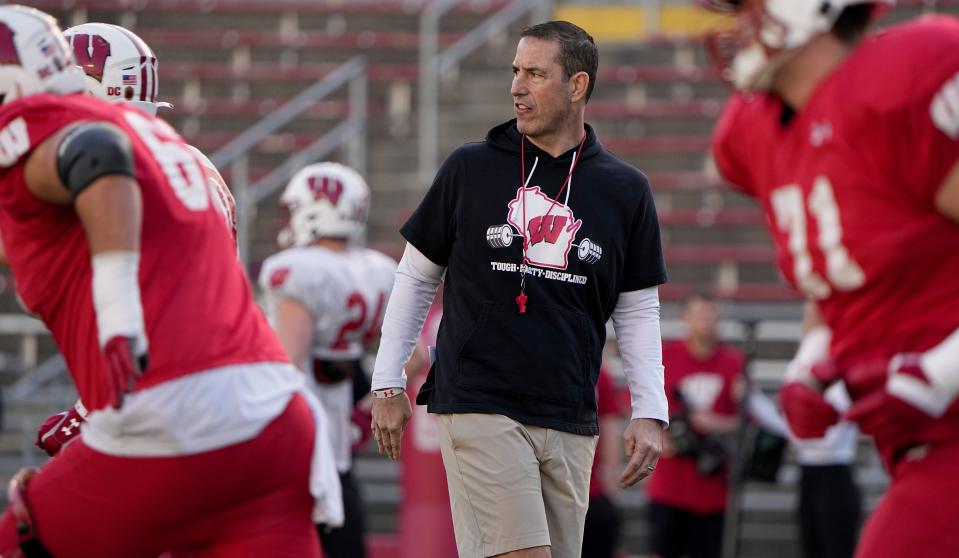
[(789, 206)]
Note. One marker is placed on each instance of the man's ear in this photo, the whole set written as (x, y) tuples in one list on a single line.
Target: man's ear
[(578, 85)]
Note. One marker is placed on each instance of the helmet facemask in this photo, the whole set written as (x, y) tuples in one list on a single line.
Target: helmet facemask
[(749, 53), (769, 32)]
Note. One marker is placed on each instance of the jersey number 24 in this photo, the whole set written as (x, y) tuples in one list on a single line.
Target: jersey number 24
[(357, 306)]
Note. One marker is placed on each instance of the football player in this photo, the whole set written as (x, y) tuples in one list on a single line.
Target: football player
[(850, 142), (121, 68), (114, 242), (326, 295)]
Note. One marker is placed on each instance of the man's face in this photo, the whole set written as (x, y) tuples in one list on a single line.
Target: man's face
[(701, 316), (541, 93)]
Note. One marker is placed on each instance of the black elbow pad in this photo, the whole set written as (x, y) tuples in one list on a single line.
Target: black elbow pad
[(92, 150)]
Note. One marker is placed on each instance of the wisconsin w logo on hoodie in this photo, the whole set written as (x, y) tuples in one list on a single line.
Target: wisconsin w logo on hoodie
[(550, 228)]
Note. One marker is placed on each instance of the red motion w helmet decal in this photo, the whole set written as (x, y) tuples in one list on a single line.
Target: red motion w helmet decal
[(91, 52), (8, 50), (324, 187)]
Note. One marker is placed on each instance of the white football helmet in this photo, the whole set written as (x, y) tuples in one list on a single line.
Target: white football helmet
[(773, 30), (119, 66), (34, 56), (325, 200)]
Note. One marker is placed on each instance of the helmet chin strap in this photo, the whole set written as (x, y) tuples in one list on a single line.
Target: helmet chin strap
[(753, 69), (749, 69)]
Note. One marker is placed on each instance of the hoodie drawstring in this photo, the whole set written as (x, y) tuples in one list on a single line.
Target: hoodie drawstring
[(522, 298)]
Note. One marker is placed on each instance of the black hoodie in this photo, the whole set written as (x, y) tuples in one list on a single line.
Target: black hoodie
[(539, 367)]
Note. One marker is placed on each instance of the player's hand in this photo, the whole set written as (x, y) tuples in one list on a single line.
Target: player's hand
[(808, 413), (643, 443), (669, 448), (907, 402), (123, 368), (59, 430), (360, 433), (390, 417)]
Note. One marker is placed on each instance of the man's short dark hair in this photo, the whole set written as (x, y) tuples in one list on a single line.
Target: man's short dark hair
[(699, 295), (577, 50), (853, 22)]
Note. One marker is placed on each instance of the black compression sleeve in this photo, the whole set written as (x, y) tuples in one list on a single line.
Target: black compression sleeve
[(90, 151)]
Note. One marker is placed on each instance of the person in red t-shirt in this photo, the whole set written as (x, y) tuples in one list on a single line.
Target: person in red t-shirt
[(115, 244), (687, 491), (603, 521), (849, 141)]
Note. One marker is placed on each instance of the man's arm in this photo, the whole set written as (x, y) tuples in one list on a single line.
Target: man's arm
[(636, 322), (807, 375), (920, 387), (610, 449), (709, 422), (293, 324), (417, 279), (91, 166)]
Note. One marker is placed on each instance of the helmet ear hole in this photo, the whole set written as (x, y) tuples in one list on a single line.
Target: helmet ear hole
[(128, 93)]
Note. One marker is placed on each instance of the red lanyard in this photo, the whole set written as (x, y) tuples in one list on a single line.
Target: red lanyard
[(522, 299)]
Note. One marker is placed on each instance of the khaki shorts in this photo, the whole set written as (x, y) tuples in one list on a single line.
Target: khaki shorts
[(515, 486)]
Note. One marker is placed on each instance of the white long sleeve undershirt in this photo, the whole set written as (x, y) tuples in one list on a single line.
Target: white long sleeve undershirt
[(417, 279), (635, 319), (636, 323)]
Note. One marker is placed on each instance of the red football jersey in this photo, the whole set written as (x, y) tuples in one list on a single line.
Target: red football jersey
[(695, 385), (848, 186), (198, 308)]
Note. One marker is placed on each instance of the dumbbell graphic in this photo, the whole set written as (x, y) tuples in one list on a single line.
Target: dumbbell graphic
[(501, 236)]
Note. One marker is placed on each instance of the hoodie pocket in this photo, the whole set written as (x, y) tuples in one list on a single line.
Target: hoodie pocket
[(540, 354)]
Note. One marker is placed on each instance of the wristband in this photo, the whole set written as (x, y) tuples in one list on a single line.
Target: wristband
[(116, 299), (386, 393)]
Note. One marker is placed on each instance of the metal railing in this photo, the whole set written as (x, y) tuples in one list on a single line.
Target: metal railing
[(433, 63), (30, 330), (350, 132)]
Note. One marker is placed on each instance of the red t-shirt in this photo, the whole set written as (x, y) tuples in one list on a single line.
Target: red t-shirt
[(704, 385), (608, 404), (197, 304), (848, 188)]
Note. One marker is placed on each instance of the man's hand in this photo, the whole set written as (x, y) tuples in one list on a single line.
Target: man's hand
[(643, 442), (908, 401), (59, 430), (709, 422), (359, 433), (808, 413), (390, 417), (669, 448), (123, 368)]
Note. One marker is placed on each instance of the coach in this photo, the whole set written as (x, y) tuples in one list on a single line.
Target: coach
[(542, 236)]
